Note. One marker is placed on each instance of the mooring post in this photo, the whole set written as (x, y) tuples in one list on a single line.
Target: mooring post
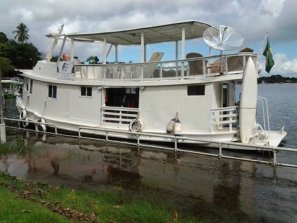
[(2, 124)]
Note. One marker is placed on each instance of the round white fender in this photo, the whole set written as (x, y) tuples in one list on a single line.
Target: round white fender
[(25, 123), (177, 128), (23, 115), (170, 126), (42, 124), (136, 125)]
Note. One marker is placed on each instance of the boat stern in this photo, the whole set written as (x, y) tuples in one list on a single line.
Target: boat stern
[(268, 138)]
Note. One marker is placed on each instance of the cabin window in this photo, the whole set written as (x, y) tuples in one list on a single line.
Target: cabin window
[(52, 91), (86, 91), (31, 85), (196, 90), (122, 97)]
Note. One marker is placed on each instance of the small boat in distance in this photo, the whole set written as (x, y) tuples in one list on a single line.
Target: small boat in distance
[(192, 96), (12, 87)]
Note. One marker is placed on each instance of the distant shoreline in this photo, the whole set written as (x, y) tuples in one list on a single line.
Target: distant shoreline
[(277, 79)]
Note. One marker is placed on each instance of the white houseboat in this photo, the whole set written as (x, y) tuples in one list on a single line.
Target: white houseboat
[(192, 96)]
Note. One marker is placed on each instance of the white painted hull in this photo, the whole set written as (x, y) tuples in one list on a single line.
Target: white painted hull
[(199, 139)]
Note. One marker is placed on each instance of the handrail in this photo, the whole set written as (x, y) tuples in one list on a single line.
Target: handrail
[(265, 112), (207, 66), (138, 136), (224, 116)]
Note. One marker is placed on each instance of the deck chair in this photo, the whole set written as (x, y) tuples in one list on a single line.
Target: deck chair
[(150, 67), (235, 63), (196, 66)]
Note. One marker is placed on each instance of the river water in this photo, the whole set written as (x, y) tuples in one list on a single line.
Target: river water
[(258, 191)]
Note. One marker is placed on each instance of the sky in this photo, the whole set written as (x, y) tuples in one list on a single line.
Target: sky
[(253, 19)]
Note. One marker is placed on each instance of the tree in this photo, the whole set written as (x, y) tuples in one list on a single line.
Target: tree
[(3, 38), (92, 60), (6, 66), (21, 33), (27, 56), (22, 56)]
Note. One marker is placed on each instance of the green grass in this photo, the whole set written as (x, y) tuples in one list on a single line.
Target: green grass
[(19, 147), (14, 209), (34, 202)]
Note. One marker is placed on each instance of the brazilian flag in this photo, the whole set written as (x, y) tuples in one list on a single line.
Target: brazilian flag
[(269, 59)]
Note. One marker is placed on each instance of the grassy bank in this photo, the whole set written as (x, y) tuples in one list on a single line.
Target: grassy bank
[(36, 202)]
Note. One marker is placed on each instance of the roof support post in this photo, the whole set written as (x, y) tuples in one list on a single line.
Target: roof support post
[(145, 52), (116, 53), (62, 48), (72, 50), (142, 56), (183, 44), (176, 58), (183, 50), (104, 50), (49, 54)]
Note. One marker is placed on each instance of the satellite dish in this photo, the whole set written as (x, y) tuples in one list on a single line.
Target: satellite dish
[(222, 38)]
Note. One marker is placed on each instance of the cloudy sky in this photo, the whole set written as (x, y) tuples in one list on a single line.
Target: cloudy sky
[(252, 19)]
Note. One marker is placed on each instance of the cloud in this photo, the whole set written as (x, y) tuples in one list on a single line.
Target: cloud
[(284, 65), (251, 18)]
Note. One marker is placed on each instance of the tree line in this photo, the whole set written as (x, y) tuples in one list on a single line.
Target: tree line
[(17, 53)]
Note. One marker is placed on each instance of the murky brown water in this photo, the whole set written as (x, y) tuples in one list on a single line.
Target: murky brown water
[(253, 189)]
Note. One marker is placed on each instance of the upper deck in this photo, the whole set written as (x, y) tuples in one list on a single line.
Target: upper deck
[(198, 69), (188, 67)]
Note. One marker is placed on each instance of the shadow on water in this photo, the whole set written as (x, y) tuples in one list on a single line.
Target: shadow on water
[(244, 188)]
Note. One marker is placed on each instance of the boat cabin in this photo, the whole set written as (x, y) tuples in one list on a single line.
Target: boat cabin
[(191, 95)]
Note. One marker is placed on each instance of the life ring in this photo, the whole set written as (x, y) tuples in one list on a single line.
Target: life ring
[(136, 125)]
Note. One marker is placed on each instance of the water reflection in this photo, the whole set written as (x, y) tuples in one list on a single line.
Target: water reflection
[(253, 189)]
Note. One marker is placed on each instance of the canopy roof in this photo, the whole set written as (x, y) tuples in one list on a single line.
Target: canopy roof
[(152, 34)]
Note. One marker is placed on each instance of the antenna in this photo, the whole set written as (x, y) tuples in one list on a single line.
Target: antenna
[(222, 38)]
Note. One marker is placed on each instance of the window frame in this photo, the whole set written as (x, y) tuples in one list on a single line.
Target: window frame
[(86, 91), (52, 91), (196, 90)]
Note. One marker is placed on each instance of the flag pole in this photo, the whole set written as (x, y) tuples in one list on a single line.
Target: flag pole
[(264, 43)]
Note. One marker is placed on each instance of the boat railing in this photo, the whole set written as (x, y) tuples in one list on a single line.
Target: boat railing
[(118, 115), (224, 118), (262, 101), (140, 140), (175, 69)]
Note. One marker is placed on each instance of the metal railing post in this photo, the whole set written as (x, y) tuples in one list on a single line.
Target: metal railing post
[(138, 144), (274, 158), (106, 136), (220, 151), (175, 144)]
